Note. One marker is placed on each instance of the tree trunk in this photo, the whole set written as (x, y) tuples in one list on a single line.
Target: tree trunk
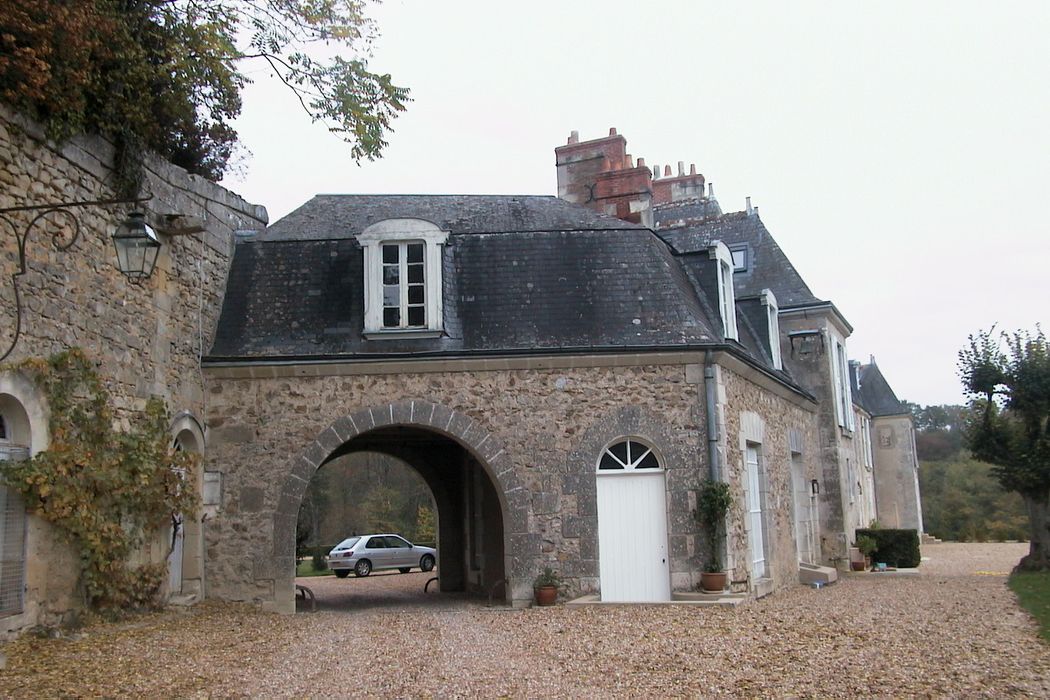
[(1038, 557)]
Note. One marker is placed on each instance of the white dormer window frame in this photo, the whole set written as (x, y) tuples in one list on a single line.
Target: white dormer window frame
[(769, 300), (720, 253), (401, 285), (843, 392)]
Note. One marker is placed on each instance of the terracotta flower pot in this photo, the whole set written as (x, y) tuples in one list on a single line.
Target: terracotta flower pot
[(713, 582), (546, 595)]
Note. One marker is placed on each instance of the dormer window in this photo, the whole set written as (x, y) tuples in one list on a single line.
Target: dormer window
[(773, 327), (726, 298), (402, 263)]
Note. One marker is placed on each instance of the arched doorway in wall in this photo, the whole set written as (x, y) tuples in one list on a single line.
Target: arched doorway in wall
[(469, 524), (15, 441), (184, 540)]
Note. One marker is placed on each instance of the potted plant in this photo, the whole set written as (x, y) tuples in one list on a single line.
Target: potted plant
[(867, 546), (712, 504), (545, 587)]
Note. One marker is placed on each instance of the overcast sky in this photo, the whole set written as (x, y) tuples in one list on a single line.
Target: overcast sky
[(898, 152)]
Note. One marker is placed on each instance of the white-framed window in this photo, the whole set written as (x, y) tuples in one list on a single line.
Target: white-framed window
[(628, 455), (402, 278), (843, 393), (726, 297), (740, 258), (773, 326)]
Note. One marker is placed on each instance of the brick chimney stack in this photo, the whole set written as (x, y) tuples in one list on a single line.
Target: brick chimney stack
[(600, 174)]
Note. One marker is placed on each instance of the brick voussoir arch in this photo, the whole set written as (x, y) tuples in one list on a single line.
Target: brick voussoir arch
[(419, 413)]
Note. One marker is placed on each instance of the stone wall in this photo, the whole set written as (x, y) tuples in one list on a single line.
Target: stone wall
[(146, 338), (552, 425), (759, 416)]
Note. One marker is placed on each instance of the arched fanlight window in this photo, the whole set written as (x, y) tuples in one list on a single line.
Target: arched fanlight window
[(628, 455)]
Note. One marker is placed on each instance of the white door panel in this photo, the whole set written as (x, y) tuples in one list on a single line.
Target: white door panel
[(632, 537)]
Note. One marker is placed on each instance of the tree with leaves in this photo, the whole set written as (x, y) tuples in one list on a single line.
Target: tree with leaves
[(167, 75), (1008, 378)]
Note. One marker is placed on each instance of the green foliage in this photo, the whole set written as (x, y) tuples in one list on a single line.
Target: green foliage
[(167, 75), (105, 490), (713, 502), (963, 501), (867, 545), (365, 492), (425, 525), (549, 577), (318, 562), (1008, 377), (1033, 594), (898, 548)]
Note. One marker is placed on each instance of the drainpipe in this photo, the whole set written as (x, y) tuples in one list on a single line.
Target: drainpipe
[(712, 426)]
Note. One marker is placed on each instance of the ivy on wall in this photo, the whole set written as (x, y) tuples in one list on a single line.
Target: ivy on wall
[(106, 490)]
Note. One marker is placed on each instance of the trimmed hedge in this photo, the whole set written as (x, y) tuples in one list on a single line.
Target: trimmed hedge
[(899, 548)]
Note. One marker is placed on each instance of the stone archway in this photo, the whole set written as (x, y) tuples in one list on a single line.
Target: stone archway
[(519, 547)]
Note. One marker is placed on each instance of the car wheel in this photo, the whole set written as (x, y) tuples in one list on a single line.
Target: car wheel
[(341, 573), (363, 568), (405, 569), (427, 562)]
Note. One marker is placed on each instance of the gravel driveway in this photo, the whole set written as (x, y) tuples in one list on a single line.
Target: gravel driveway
[(949, 632)]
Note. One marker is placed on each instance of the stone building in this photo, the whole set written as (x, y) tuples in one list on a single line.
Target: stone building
[(561, 371), (146, 338)]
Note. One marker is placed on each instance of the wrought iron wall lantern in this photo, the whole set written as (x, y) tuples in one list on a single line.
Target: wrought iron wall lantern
[(136, 243)]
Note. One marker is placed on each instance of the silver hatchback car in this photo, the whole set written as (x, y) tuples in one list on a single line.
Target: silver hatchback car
[(367, 553)]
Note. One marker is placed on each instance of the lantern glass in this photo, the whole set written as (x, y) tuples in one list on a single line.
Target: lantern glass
[(137, 247)]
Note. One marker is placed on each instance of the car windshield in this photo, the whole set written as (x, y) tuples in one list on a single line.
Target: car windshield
[(347, 543)]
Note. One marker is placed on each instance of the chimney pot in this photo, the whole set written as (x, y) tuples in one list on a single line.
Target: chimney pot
[(711, 190), (629, 161), (747, 206), (641, 162), (667, 171), (612, 131), (574, 136), (681, 169), (692, 168), (656, 172)]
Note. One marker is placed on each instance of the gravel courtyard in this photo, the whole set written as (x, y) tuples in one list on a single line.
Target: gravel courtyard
[(953, 631)]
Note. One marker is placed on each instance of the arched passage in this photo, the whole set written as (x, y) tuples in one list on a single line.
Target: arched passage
[(185, 537), (482, 507)]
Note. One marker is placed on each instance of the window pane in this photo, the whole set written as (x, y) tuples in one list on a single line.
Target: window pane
[(415, 294), (416, 316), (391, 318), (648, 462), (415, 252), (390, 253), (391, 274), (608, 462), (620, 450), (740, 259), (391, 296), (415, 273)]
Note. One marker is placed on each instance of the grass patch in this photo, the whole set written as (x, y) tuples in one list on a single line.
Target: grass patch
[(1033, 594), (306, 568)]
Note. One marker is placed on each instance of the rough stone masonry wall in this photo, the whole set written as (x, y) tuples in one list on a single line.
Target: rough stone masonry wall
[(757, 415), (145, 338), (552, 423), (896, 474)]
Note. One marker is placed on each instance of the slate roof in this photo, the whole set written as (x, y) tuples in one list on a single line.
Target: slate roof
[(768, 267), (342, 215), (521, 274), (874, 393)]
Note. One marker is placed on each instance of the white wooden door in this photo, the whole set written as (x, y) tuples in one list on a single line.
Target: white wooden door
[(632, 537), (756, 521)]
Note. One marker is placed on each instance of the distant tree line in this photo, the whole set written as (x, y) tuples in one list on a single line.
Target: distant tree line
[(365, 493), (961, 498)]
